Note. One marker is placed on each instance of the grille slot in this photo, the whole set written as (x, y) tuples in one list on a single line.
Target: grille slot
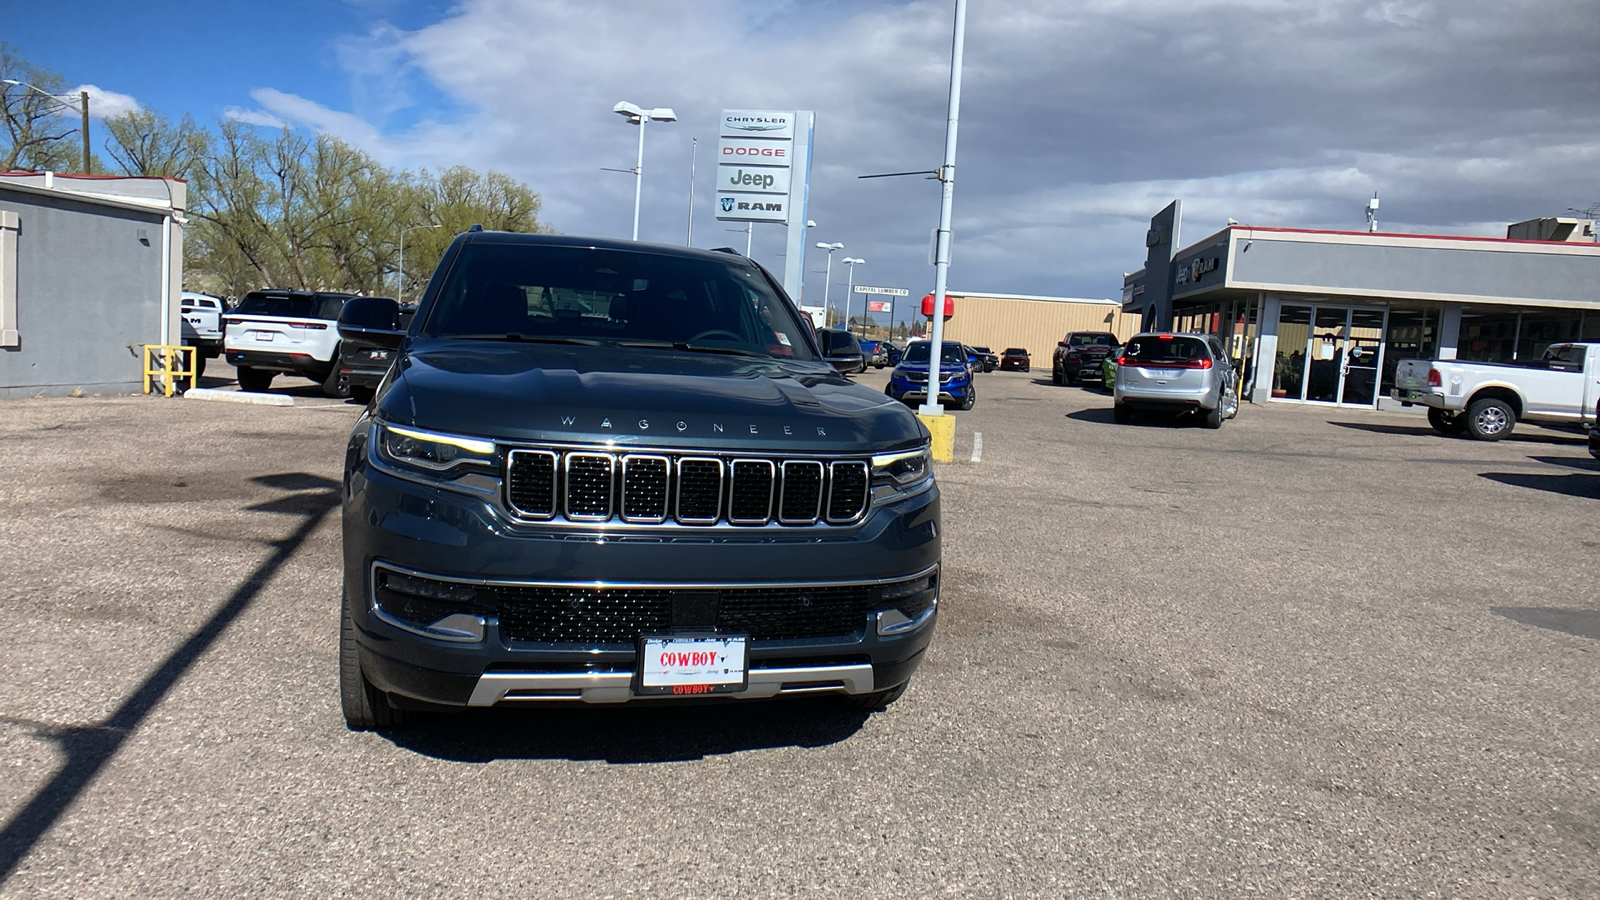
[(644, 488), (531, 483), (750, 497), (589, 486), (657, 486), (848, 484), (699, 491), (801, 502)]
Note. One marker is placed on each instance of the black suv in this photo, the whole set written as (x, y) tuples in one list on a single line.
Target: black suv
[(603, 471)]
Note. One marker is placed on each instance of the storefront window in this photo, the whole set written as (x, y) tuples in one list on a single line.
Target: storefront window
[(1288, 370), (1487, 335), (1413, 334), (1541, 329), (1505, 335)]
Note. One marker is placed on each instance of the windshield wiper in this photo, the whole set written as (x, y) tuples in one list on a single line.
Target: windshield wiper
[(524, 339), (687, 347)]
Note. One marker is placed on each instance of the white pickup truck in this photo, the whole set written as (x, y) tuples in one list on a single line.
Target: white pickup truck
[(202, 327), (1486, 400)]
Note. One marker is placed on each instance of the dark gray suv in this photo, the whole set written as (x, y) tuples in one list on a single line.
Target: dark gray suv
[(602, 471)]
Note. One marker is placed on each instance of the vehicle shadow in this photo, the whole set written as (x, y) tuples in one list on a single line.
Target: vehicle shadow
[(1570, 462), (1425, 430), (86, 749), (1577, 622), (630, 735), (1585, 485), (1103, 415)]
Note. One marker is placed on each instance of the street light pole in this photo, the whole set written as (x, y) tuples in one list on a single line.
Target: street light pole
[(82, 108), (639, 116), (402, 290), (849, 293), (827, 279), (947, 179)]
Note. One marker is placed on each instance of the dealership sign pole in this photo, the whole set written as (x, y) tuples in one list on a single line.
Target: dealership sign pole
[(764, 175)]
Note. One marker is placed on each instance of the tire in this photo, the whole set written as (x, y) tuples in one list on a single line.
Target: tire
[(971, 399), (1121, 413), (333, 385), (1055, 374), (1446, 423), (1230, 401), (874, 701), (254, 381), (365, 707), (199, 365), (1213, 417), (1489, 419)]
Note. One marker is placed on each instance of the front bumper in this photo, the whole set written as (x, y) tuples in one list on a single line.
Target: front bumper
[(394, 523)]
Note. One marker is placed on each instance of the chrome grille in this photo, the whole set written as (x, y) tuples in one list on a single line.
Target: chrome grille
[(802, 492), (589, 486), (699, 491), (750, 495), (657, 487)]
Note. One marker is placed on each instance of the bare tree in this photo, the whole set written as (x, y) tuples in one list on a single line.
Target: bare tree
[(36, 133)]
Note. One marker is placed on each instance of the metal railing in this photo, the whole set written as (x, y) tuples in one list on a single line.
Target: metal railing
[(169, 363)]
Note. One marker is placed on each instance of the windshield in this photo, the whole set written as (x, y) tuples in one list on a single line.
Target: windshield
[(952, 352), (1091, 340), (621, 297)]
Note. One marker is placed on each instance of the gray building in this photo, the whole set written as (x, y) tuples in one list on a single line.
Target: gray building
[(91, 270), (1325, 316)]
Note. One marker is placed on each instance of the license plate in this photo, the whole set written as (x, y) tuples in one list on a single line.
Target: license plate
[(262, 335), (686, 665)]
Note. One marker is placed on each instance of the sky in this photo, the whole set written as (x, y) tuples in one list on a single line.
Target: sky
[(1078, 122)]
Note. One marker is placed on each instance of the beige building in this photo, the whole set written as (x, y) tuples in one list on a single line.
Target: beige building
[(999, 321)]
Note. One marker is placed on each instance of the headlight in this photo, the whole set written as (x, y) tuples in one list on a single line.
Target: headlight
[(898, 473), (431, 450)]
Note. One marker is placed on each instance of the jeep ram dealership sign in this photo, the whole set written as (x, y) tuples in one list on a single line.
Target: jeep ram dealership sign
[(759, 150)]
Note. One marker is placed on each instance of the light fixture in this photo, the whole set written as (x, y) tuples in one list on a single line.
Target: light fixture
[(638, 116), (828, 277)]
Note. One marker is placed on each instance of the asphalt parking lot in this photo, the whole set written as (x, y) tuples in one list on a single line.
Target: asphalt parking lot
[(1314, 654)]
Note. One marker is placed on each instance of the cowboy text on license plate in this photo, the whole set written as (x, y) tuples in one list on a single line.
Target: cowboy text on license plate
[(688, 665)]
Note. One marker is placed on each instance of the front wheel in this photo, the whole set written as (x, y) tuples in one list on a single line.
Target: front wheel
[(364, 706), (971, 398), (1446, 423), (1055, 375), (1490, 419)]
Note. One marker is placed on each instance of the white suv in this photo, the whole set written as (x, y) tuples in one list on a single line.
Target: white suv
[(285, 331)]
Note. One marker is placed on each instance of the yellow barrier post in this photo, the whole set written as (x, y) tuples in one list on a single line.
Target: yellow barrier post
[(943, 430)]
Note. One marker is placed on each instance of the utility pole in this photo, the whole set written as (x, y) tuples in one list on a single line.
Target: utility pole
[(947, 179)]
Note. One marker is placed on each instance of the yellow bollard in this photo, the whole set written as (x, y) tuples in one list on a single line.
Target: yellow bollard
[(943, 429)]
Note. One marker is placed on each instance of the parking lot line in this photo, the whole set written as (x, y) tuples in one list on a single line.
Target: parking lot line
[(977, 446)]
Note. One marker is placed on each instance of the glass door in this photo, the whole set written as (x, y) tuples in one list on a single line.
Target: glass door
[(1329, 354), (1363, 357)]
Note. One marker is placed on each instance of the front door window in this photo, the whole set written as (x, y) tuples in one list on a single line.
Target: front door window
[(1329, 354)]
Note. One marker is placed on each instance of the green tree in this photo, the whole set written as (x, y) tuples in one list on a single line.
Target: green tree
[(145, 143), (38, 136)]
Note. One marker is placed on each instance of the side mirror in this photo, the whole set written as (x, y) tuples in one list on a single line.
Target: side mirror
[(1061, 343), (375, 320), (842, 351)]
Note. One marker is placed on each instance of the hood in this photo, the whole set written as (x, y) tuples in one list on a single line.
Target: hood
[(640, 397)]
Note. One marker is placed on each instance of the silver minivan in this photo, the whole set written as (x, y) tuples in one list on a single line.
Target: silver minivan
[(1176, 373)]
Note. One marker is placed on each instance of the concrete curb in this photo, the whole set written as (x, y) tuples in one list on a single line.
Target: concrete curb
[(238, 397)]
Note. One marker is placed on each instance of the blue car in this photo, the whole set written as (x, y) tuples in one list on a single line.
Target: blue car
[(909, 381)]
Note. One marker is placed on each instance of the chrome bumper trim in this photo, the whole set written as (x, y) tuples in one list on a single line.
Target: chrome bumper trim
[(617, 687)]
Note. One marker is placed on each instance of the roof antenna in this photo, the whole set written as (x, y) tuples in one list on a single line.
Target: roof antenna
[(1372, 213)]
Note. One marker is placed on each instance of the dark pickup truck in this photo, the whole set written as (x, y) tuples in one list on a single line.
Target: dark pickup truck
[(1079, 355), (602, 471)]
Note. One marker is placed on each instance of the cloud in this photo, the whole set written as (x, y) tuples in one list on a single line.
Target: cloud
[(104, 104), (1078, 121), (252, 117)]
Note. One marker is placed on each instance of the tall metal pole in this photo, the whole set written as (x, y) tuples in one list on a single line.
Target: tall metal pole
[(694, 150), (827, 281), (947, 178), (83, 105), (638, 177), (849, 294), (749, 235)]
